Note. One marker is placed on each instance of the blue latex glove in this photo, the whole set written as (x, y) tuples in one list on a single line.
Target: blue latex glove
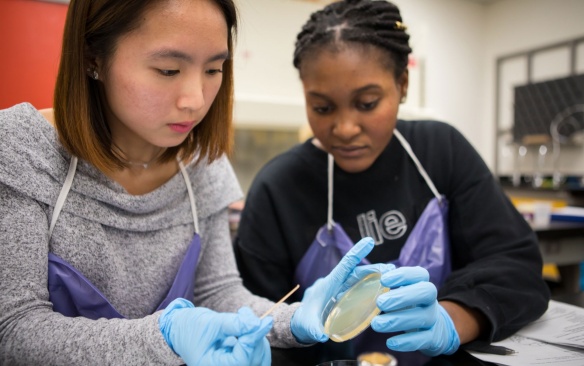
[(203, 337), (261, 354), (411, 306), (361, 271), (306, 323)]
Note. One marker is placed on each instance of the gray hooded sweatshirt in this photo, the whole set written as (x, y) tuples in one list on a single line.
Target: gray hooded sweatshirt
[(129, 247)]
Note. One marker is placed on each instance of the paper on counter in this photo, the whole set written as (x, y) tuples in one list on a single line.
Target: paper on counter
[(533, 352), (561, 324)]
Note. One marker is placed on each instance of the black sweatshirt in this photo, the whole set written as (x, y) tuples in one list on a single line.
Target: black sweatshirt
[(496, 263)]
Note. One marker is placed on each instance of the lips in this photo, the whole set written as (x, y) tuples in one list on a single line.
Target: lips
[(181, 127), (349, 151)]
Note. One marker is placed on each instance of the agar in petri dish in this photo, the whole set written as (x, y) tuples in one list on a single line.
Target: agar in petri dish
[(376, 359), (349, 315)]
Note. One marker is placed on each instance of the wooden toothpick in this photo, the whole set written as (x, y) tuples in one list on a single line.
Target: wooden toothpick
[(280, 301)]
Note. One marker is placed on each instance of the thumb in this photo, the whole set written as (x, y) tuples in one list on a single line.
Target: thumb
[(248, 342), (353, 257), (231, 324)]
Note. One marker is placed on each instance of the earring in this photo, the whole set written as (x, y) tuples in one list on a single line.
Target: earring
[(93, 74), (403, 99)]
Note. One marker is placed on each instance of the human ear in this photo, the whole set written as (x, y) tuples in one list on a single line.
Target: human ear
[(93, 66)]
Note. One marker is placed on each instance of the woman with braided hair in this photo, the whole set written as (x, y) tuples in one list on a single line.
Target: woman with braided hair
[(466, 260)]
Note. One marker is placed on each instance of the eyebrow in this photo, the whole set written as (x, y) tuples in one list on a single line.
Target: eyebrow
[(366, 88), (356, 91), (171, 53)]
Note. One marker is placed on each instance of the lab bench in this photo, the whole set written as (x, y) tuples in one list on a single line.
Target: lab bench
[(561, 242)]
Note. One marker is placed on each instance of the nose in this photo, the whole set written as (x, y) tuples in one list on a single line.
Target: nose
[(346, 126), (191, 95)]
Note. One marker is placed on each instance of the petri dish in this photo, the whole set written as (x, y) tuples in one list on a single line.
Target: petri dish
[(351, 313), (376, 359)]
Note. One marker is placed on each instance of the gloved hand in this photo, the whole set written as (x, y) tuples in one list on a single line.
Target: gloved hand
[(203, 337), (261, 354), (411, 306), (362, 271), (306, 323)]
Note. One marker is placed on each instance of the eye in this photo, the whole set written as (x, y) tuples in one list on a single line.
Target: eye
[(168, 72), (367, 106), (322, 109), (214, 71)]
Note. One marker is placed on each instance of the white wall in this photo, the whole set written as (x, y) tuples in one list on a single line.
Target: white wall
[(267, 88), (519, 25), (446, 36), (457, 40), (449, 35)]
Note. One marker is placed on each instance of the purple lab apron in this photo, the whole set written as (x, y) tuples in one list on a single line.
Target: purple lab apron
[(428, 246), (323, 255), (72, 294)]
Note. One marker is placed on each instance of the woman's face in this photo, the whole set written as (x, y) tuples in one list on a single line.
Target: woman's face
[(164, 75), (352, 100)]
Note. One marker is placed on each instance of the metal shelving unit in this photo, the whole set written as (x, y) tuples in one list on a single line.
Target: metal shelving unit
[(571, 50)]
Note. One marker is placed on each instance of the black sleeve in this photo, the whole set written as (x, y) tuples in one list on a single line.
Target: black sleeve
[(261, 255), (497, 265)]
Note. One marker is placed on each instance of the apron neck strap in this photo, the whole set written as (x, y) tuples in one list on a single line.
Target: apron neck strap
[(63, 194), (407, 148), (331, 165), (191, 195), (421, 169), (69, 181)]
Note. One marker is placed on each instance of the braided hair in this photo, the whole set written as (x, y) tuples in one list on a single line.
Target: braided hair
[(362, 22)]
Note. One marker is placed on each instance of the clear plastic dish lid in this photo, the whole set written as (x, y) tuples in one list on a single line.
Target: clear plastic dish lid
[(347, 315)]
